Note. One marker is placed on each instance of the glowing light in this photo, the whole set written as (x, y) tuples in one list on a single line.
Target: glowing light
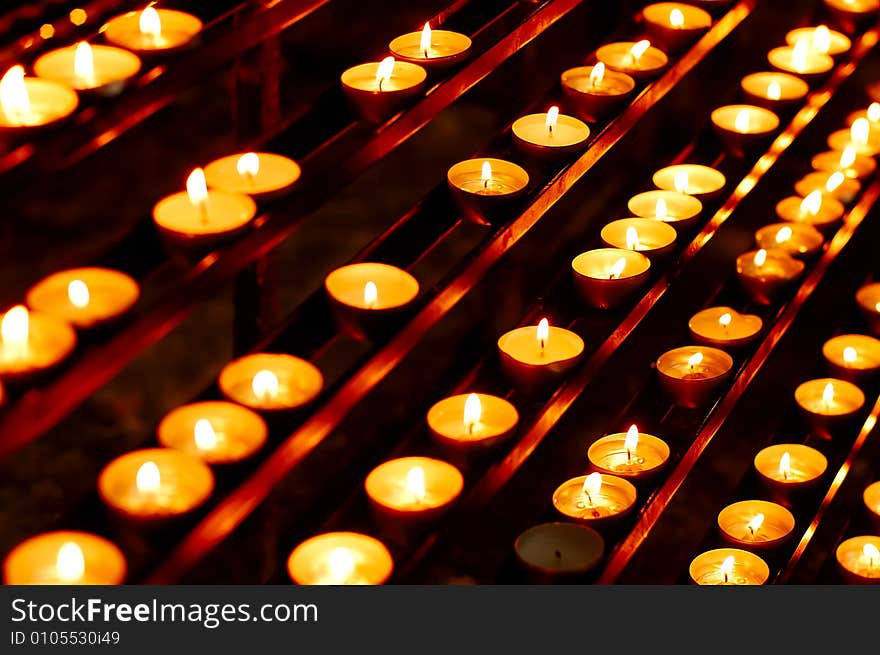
[(828, 394), (597, 74), (860, 131), (415, 483), (784, 234), (871, 553), (639, 48), (822, 39), (265, 385), (385, 71), (150, 24), (774, 91), (873, 112), (47, 31), (486, 174), (70, 562), (631, 441), (147, 479), (542, 333), (204, 435), (680, 181), (743, 120), (760, 258), (248, 165), (14, 98), (850, 355), (84, 63), (425, 41), (755, 524), (676, 18), (661, 212), (78, 16), (552, 118), (834, 181), (197, 190), (78, 294), (695, 360), (726, 568), (617, 269), (341, 563), (799, 54), (371, 294), (15, 329), (473, 412), (847, 157), (592, 487), (725, 319), (812, 203), (632, 239)]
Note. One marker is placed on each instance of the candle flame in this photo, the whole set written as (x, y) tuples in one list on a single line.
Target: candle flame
[(822, 39), (617, 268), (785, 465), (873, 112), (760, 258), (848, 156), (149, 22), (552, 118), (70, 562), (542, 332), (696, 359), (871, 553), (639, 48), (15, 327), (680, 181), (755, 524), (205, 437), (799, 54), (812, 203), (341, 563), (385, 70), (784, 234), (425, 41), (78, 294), (592, 486), (661, 212), (197, 188), (725, 319), (473, 412), (147, 479), (774, 91), (726, 567), (14, 98), (631, 441), (248, 165), (834, 181), (371, 293), (828, 394), (632, 239), (676, 18), (742, 122), (597, 74), (415, 482), (486, 173), (850, 355), (860, 131), (265, 385), (84, 63)]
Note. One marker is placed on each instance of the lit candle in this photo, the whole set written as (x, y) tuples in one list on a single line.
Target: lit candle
[(412, 491), (652, 238), (692, 179), (800, 59), (828, 404), (435, 49), (632, 454), (868, 300), (871, 114), (101, 69), (790, 467), (675, 25), (596, 91), (550, 136), (742, 128), (846, 161), (691, 375), (596, 499), (853, 357), (871, 498), (472, 421), (859, 559), (380, 89), (84, 297), (370, 299), (32, 102), (766, 274), (640, 60), (202, 217), (535, 358), (755, 524), (607, 278), (773, 90), (830, 185), (678, 209), (558, 552), (261, 175), (216, 432), (728, 566), (340, 558), (858, 136), (823, 212), (32, 343), (797, 239), (724, 327), (821, 39), (154, 484), (65, 557), (270, 382), (153, 31), (485, 189), (852, 13)]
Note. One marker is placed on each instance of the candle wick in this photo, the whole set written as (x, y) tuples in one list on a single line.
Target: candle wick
[(785, 475), (542, 346), (628, 456), (550, 130), (380, 85), (486, 183), (589, 499), (426, 53), (471, 427), (725, 577), (751, 530)]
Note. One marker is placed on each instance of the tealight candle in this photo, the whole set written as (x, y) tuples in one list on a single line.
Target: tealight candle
[(674, 25), (853, 357), (790, 467), (558, 552), (868, 300), (821, 38), (724, 327), (340, 558), (691, 375), (640, 60), (846, 161), (473, 421), (65, 557), (766, 273), (797, 239), (679, 209), (652, 238), (859, 559), (631, 454), (858, 136), (755, 524), (261, 175), (871, 498), (153, 31), (549, 136), (380, 89), (815, 209), (830, 185), (596, 499), (535, 358), (435, 49), (84, 297), (270, 381), (695, 180), (596, 91), (155, 484), (773, 90), (872, 114), (369, 299), (800, 59), (202, 217), (412, 491), (216, 432), (100, 69), (852, 13), (32, 102), (728, 566), (485, 188), (828, 403), (606, 278), (32, 343), (742, 128)]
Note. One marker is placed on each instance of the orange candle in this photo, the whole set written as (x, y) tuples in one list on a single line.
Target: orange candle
[(65, 557), (821, 38), (773, 90), (755, 524), (871, 498), (691, 375), (261, 175), (550, 136), (868, 300), (800, 59), (692, 179), (728, 566), (340, 558), (28, 103), (434, 49), (472, 421), (32, 343), (607, 278), (797, 239), (830, 185), (846, 161), (654, 239), (152, 30), (828, 404), (596, 91), (680, 210), (858, 559), (85, 297), (766, 274), (216, 432), (724, 327), (632, 454), (485, 188), (790, 467), (815, 209), (380, 89), (743, 128), (270, 382), (640, 60), (535, 358), (853, 357), (411, 491), (596, 499), (675, 25), (99, 69)]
